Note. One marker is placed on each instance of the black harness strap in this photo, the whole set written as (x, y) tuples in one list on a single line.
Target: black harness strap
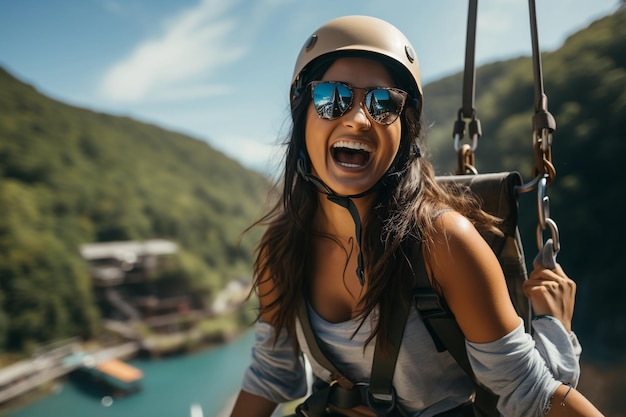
[(447, 335), (340, 392), (316, 351), (469, 75), (380, 395)]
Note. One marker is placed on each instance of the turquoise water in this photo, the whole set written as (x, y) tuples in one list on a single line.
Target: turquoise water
[(171, 386)]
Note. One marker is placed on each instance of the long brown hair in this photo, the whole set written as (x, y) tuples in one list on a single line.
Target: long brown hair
[(399, 221)]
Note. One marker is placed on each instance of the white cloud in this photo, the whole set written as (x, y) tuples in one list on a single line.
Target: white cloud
[(252, 152), (192, 46)]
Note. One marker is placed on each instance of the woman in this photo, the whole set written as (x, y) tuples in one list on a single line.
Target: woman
[(358, 202)]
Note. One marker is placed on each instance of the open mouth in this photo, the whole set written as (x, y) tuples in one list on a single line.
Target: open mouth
[(350, 154)]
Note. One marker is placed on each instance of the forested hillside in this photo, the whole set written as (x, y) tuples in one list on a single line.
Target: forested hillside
[(585, 81), (70, 176)]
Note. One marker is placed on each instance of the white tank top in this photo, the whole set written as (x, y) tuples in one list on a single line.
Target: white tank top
[(427, 382)]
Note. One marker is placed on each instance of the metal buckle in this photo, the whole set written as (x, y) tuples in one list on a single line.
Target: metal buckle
[(382, 404)]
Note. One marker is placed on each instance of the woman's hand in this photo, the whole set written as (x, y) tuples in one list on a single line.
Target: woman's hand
[(551, 292)]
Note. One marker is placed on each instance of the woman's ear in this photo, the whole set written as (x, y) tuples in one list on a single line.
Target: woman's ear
[(303, 164)]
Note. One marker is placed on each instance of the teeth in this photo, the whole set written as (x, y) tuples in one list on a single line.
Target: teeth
[(357, 146)]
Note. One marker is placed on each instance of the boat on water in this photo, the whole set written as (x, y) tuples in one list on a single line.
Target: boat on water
[(113, 378)]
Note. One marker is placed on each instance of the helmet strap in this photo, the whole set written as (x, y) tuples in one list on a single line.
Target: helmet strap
[(343, 201), (349, 204), (346, 201)]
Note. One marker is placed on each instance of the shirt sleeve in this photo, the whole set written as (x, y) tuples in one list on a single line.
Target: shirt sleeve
[(560, 349), (514, 370), (276, 372)]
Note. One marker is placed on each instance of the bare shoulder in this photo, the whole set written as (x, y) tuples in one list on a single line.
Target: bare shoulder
[(471, 279), (452, 221), (457, 240)]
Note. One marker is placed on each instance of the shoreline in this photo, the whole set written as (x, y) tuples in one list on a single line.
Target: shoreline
[(54, 386), (44, 391)]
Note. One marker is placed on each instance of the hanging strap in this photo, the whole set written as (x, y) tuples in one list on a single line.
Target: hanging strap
[(544, 123), (469, 75), (466, 163), (543, 119)]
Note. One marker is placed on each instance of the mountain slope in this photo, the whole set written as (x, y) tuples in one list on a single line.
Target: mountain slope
[(70, 176)]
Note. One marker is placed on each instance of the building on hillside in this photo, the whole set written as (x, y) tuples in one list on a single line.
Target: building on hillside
[(137, 281)]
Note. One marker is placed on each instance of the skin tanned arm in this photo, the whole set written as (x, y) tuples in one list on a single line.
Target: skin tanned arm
[(471, 280)]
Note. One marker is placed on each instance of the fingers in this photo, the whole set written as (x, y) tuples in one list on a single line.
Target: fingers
[(545, 290), (554, 280), (542, 273), (551, 292)]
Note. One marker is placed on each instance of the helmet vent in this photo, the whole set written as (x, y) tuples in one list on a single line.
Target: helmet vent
[(311, 43), (410, 53)]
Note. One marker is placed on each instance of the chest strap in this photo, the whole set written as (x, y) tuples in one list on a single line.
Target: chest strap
[(380, 395)]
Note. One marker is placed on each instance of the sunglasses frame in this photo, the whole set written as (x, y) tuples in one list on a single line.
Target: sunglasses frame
[(366, 91)]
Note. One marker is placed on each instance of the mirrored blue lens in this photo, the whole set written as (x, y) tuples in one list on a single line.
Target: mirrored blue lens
[(333, 99), (384, 104)]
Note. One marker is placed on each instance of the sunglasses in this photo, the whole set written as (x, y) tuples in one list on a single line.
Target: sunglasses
[(333, 99)]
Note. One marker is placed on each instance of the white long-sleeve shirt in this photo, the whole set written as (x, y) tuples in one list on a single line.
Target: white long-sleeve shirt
[(524, 370)]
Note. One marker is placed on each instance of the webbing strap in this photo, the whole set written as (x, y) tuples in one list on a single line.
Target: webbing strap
[(316, 351), (543, 119), (466, 164), (380, 395), (447, 334), (384, 364), (469, 75), (438, 318), (543, 122)]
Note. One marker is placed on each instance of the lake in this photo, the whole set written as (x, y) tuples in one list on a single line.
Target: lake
[(171, 386)]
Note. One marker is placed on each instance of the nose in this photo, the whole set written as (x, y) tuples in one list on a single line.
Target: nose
[(357, 116)]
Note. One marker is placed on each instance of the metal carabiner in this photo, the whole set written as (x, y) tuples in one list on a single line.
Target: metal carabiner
[(466, 161), (545, 139), (457, 141), (554, 231), (543, 214), (543, 202)]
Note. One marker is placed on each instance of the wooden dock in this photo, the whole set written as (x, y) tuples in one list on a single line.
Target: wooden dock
[(47, 366)]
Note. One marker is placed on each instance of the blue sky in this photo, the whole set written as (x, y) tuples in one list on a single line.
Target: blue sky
[(220, 70)]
